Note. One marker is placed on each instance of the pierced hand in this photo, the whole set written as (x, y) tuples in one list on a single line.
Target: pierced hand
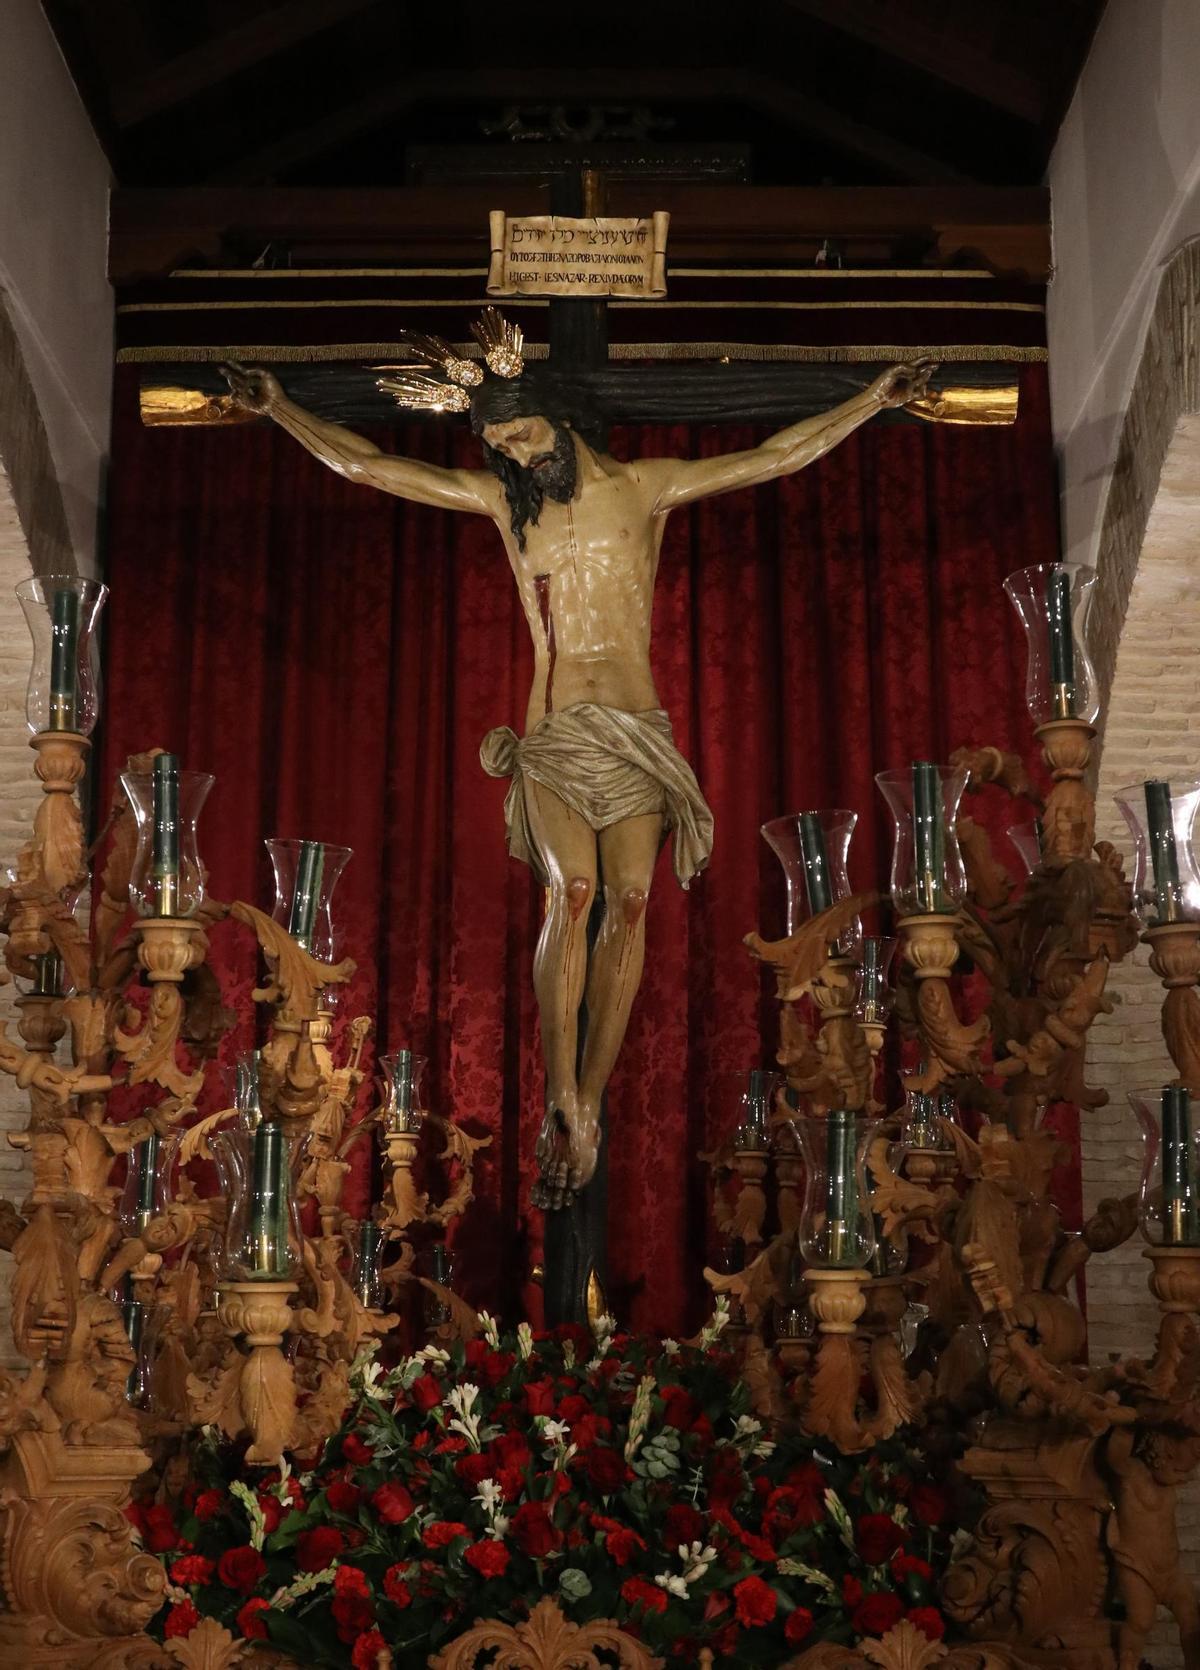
[(901, 383), (253, 388)]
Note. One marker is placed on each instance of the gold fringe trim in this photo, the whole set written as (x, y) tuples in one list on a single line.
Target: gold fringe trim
[(659, 305), (751, 352), (675, 272)]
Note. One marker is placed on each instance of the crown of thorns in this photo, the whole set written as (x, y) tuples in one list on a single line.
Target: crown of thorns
[(446, 386)]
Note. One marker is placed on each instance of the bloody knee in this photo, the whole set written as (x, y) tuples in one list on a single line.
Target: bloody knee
[(579, 896), (633, 906)]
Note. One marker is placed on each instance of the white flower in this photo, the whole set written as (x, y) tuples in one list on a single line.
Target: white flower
[(556, 1432), (524, 1341), (434, 1356), (462, 1400), (670, 1347), (673, 1585), (715, 1327), (490, 1330)]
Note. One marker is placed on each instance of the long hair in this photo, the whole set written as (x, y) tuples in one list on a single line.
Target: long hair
[(566, 406)]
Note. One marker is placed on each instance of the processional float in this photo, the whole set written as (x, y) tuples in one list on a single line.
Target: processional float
[(900, 1270)]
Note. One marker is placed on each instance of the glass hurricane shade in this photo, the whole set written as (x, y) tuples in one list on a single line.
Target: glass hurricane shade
[(135, 1319), (920, 1126), (258, 1167), (61, 611), (1053, 601), (1027, 840), (306, 873), (812, 848), (168, 877), (46, 978), (1169, 1201), (1161, 818), (367, 1245), (403, 1074), (837, 1226), (927, 875), (875, 994), (147, 1191), (751, 1096)]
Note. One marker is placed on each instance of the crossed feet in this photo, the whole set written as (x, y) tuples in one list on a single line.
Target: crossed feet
[(567, 1150)]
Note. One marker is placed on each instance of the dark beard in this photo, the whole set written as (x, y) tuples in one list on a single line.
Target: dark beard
[(555, 471), (551, 476)]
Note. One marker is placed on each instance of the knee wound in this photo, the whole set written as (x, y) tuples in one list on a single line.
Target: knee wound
[(633, 905), (579, 894)]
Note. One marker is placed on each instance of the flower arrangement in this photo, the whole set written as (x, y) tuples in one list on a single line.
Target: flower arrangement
[(625, 1477)]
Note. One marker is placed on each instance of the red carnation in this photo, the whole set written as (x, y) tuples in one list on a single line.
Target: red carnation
[(356, 1452), (453, 1445), (511, 1481), (684, 1524), (622, 1544), (877, 1537), (392, 1503), (426, 1393), (352, 1608), (192, 1568), (511, 1449), (368, 1651), (928, 1620), (180, 1620), (208, 1504), (489, 1558), (241, 1568), (929, 1504), (754, 1601), (910, 1565), (316, 1550), (539, 1397), (158, 1528), (573, 1408), (250, 1620), (635, 1591), (798, 1627), (395, 1587), (442, 1532), (606, 1470), (876, 1614), (589, 1430), (473, 1469), (271, 1509), (681, 1407), (342, 1496), (533, 1531)]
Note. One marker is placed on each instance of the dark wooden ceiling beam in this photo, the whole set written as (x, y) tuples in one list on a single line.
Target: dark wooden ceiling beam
[(524, 84), (261, 37), (153, 231), (1001, 85)]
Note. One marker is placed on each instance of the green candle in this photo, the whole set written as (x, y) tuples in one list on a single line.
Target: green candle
[(63, 665), (147, 1164), (841, 1203), (269, 1202), (1179, 1202), (874, 981), (816, 863), (133, 1315), (367, 1283), (929, 837), (1164, 856), (306, 894), (47, 975), (402, 1083), (165, 867), (1062, 642)]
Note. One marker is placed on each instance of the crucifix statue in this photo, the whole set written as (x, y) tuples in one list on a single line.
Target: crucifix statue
[(597, 784)]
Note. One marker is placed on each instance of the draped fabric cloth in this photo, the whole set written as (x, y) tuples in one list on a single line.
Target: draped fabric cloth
[(606, 765), (333, 655)]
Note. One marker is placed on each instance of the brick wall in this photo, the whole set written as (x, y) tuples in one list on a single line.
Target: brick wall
[(19, 797), (1152, 728)]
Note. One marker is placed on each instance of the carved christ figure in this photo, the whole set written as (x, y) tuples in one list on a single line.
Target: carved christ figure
[(597, 783)]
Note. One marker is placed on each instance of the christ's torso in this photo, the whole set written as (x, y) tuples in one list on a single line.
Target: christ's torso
[(586, 581)]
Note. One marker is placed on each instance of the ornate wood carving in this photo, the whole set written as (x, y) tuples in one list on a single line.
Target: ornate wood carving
[(546, 1641)]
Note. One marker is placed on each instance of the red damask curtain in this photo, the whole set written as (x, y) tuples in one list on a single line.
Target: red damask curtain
[(334, 656)]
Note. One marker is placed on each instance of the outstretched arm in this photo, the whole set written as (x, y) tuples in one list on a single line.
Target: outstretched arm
[(358, 459), (676, 481)]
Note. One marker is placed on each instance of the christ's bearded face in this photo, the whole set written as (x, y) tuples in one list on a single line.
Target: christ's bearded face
[(545, 449)]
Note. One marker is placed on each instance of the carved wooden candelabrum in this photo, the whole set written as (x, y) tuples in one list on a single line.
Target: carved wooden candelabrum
[(955, 1285)]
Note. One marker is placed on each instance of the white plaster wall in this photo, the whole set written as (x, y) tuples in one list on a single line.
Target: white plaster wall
[(54, 183), (1125, 193)]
